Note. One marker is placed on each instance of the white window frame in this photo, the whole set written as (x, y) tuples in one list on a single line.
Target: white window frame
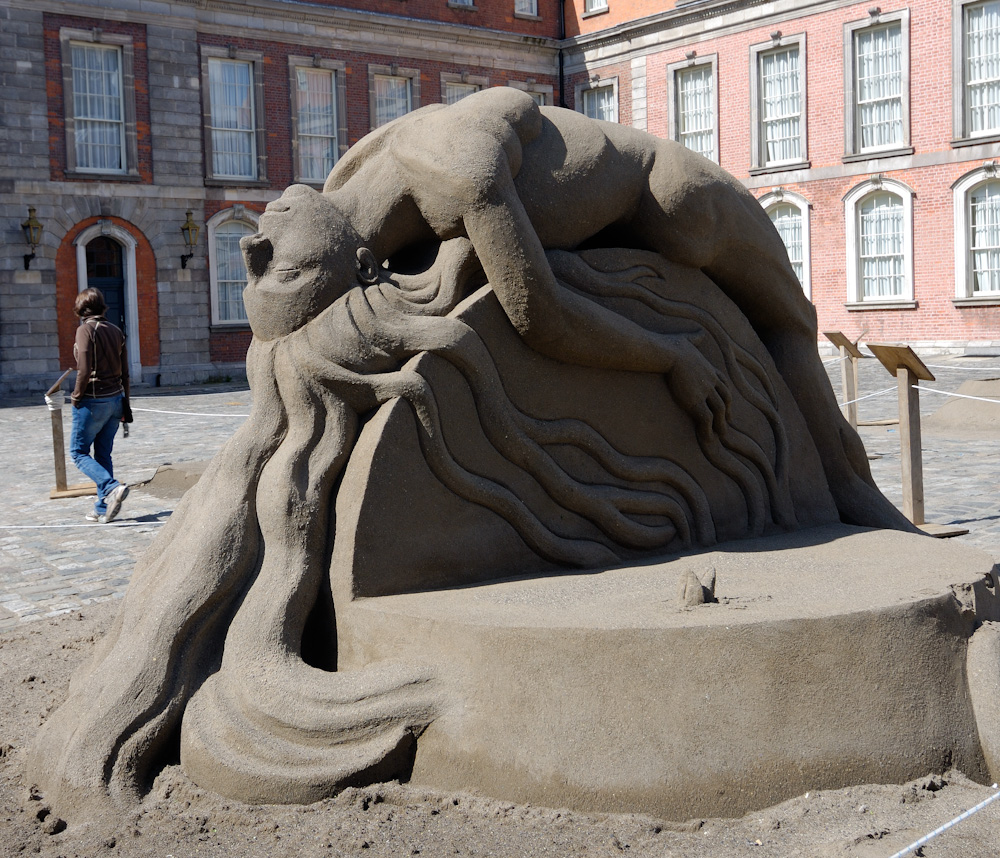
[(852, 132), (477, 82), (541, 92), (852, 228), (780, 196), (239, 214), (591, 86), (961, 192), (960, 83), (126, 68), (526, 9), (758, 144), (376, 71), (338, 71), (674, 72), (256, 61), (594, 7)]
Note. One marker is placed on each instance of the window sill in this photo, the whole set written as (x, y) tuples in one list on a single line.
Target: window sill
[(901, 304), (780, 168), (978, 301), (881, 153), (591, 14), (211, 182), (975, 141), (524, 16), (78, 176), (229, 328)]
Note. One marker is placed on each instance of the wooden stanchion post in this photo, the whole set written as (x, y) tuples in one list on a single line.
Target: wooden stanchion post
[(59, 448), (849, 354), (902, 362)]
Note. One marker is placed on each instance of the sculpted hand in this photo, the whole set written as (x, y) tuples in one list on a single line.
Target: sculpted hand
[(698, 387)]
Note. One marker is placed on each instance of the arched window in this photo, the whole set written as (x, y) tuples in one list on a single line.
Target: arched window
[(789, 213), (879, 214), (227, 271), (977, 236)]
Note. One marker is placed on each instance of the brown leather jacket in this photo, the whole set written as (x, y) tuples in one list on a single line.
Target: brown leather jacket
[(101, 361)]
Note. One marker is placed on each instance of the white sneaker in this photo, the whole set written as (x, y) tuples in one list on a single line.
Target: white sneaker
[(114, 502), (93, 516)]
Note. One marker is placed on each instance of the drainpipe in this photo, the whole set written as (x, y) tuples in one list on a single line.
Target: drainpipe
[(562, 35)]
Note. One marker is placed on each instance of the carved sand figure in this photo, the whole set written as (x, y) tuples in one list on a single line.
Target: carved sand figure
[(211, 640)]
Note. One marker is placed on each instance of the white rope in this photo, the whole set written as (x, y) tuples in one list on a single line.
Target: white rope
[(188, 413), (88, 524), (914, 846), (837, 359), (870, 395), (952, 366), (959, 395)]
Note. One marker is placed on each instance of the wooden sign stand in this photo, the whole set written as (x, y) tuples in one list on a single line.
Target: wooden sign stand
[(59, 452), (902, 362), (849, 355)]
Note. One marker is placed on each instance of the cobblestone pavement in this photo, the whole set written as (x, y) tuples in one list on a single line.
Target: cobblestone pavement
[(52, 561)]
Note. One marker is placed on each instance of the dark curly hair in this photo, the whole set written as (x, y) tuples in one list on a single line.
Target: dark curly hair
[(90, 302)]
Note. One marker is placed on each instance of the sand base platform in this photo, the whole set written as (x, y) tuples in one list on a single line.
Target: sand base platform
[(834, 656)]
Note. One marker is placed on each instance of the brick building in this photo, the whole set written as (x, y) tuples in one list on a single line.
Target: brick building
[(869, 134)]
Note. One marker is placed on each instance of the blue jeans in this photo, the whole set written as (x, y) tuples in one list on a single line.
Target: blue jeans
[(95, 422)]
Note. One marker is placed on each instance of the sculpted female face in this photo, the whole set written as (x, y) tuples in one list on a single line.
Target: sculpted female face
[(303, 258)]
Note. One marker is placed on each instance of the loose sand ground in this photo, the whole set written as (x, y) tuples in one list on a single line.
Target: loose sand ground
[(179, 820)]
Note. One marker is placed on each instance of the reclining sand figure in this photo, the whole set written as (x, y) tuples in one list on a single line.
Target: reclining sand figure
[(212, 627), (517, 180)]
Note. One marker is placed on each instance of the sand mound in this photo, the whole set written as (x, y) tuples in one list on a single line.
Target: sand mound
[(963, 417)]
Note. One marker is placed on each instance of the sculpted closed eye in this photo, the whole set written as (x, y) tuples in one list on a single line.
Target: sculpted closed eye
[(286, 275)]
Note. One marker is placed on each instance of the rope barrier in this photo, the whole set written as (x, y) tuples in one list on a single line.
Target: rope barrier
[(187, 413), (89, 524), (869, 396), (836, 360), (959, 395), (965, 815), (952, 366)]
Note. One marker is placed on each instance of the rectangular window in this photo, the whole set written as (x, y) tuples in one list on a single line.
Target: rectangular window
[(457, 91), (982, 68), (316, 116), (984, 238), (787, 220), (780, 106), (98, 109), (392, 98), (526, 7), (881, 247), (594, 6), (232, 119), (230, 271), (879, 76), (539, 98), (877, 79), (599, 103), (696, 110)]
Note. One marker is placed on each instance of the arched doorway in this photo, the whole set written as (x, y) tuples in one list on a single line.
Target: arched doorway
[(105, 272), (106, 259)]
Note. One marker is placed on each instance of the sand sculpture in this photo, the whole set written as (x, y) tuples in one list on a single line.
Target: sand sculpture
[(501, 342)]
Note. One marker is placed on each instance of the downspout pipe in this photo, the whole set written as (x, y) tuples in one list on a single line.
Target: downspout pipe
[(562, 36)]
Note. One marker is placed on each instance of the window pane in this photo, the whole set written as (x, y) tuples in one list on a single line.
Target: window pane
[(695, 112), (526, 7), (879, 78), (230, 272), (539, 98), (600, 103), (594, 5), (881, 246), (98, 112), (457, 91), (984, 239), (392, 98), (317, 123), (232, 118), (982, 68), (780, 107), (787, 220)]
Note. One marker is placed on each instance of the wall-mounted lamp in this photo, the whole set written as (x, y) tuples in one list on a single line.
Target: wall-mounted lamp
[(32, 234), (190, 232)]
